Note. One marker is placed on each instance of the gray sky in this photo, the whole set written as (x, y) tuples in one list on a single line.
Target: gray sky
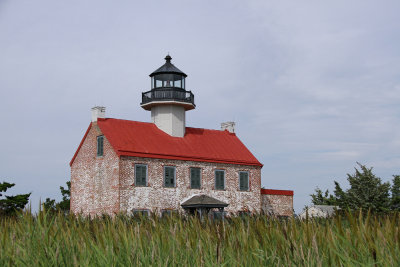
[(313, 86)]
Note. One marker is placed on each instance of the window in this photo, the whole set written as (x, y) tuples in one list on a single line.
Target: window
[(140, 175), (169, 176), (100, 145), (167, 213), (243, 181), (140, 213), (195, 178), (219, 179)]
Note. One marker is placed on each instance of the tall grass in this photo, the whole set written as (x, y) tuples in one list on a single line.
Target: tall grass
[(58, 240)]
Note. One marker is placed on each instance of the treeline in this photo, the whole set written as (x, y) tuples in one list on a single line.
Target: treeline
[(10, 205), (366, 192)]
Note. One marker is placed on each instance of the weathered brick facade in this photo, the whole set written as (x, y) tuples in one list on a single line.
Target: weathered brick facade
[(106, 184), (277, 204), (156, 197)]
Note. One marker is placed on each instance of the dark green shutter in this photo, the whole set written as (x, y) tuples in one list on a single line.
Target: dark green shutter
[(100, 145), (219, 180), (243, 181), (141, 175), (144, 175), (195, 178), (169, 176)]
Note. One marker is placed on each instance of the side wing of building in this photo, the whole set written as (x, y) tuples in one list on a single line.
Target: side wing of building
[(277, 202)]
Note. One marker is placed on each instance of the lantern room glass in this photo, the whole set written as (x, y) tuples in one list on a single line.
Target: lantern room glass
[(168, 81)]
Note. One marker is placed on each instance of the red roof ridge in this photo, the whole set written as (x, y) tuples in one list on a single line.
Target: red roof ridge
[(105, 119), (194, 128)]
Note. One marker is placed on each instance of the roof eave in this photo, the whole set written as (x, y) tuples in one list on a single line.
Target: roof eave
[(204, 206), (176, 157), (80, 145)]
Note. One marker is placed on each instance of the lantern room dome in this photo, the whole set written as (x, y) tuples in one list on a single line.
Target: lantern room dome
[(168, 68)]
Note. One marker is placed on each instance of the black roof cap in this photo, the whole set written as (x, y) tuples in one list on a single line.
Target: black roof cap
[(168, 67)]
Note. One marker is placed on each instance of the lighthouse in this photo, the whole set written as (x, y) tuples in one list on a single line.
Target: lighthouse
[(168, 100)]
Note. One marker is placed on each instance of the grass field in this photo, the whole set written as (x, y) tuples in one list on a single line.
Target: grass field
[(58, 240)]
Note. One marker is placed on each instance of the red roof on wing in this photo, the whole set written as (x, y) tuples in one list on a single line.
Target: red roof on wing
[(141, 139), (276, 192)]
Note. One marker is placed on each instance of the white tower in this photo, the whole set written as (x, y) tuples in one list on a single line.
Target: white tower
[(168, 100)]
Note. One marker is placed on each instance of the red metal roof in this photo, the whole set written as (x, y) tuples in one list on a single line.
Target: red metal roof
[(141, 139), (277, 192)]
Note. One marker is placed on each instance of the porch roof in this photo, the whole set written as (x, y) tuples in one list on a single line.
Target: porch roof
[(203, 201)]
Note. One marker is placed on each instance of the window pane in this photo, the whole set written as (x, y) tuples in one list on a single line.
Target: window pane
[(158, 83), (244, 181), (195, 178), (219, 180), (169, 176), (178, 83)]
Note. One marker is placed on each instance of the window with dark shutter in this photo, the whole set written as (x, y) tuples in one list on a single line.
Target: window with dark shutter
[(100, 145), (195, 178), (219, 179), (168, 213), (139, 213), (140, 175), (243, 181), (169, 176)]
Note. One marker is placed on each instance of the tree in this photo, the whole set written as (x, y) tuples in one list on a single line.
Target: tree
[(64, 205), (10, 204), (395, 190), (366, 192), (50, 205), (320, 198)]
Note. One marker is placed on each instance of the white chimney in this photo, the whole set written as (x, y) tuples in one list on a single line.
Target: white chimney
[(98, 112), (229, 125)]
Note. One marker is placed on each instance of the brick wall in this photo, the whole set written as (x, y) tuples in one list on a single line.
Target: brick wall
[(106, 184), (156, 197), (277, 204), (95, 180)]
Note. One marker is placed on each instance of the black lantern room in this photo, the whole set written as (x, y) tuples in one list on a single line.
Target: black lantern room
[(168, 87)]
